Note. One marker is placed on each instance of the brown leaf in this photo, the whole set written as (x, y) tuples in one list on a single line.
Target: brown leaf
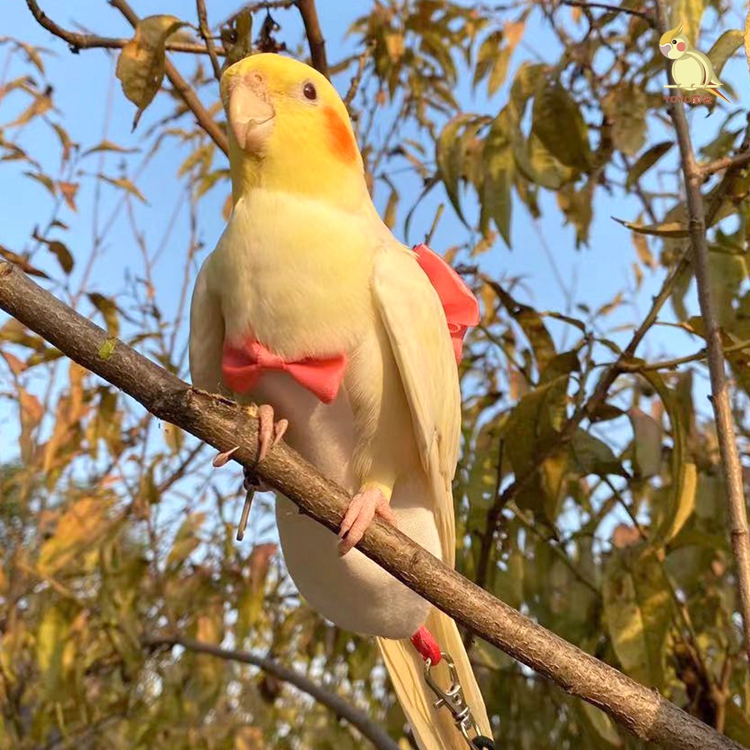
[(140, 66), (69, 190), (22, 263), (260, 559), (15, 364)]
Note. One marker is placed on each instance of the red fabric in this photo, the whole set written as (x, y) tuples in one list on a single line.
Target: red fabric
[(427, 646), (460, 305), (242, 368)]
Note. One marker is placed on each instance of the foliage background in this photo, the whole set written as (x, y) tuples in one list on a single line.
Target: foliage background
[(525, 125)]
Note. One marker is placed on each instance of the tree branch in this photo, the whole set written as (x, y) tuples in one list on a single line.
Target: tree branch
[(730, 458), (182, 87), (78, 41), (645, 15), (309, 14), (336, 703), (728, 162), (224, 425), (200, 6)]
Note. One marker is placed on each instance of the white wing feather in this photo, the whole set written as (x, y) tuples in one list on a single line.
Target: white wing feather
[(206, 335), (417, 329)]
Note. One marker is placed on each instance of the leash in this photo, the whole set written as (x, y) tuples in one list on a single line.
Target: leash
[(451, 698)]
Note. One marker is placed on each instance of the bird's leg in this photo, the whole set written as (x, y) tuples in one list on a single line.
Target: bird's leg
[(369, 502), (270, 433)]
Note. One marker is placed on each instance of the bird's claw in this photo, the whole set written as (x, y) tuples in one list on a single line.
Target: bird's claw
[(270, 432), (365, 505)]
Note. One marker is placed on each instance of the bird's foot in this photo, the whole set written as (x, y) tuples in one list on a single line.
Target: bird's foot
[(270, 432), (365, 505)]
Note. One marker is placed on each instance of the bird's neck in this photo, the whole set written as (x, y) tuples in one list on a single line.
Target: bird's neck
[(310, 175)]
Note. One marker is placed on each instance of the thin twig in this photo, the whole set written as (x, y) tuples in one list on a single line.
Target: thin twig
[(727, 162), (203, 27), (730, 458), (78, 41), (340, 707), (357, 77), (645, 15), (224, 424), (182, 87), (315, 39), (671, 364)]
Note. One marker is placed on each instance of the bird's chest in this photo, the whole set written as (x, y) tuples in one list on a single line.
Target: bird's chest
[(295, 277), (688, 72)]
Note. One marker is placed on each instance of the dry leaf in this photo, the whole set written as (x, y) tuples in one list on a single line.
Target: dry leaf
[(140, 66)]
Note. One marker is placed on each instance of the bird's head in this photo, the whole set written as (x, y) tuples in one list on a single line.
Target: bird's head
[(289, 130), (674, 44)]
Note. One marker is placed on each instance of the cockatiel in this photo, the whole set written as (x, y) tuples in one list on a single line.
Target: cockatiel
[(310, 306), (691, 69)]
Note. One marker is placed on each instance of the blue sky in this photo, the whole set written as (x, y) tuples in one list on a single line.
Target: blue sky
[(85, 89)]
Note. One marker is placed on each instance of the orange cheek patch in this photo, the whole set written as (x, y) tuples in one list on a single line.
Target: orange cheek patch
[(341, 140)]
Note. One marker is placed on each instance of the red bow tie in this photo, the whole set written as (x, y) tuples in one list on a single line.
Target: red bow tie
[(242, 366)]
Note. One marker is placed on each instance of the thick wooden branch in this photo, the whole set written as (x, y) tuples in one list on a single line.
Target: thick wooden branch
[(224, 425), (336, 703), (731, 464)]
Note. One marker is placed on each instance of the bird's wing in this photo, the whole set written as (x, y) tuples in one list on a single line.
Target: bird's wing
[(417, 328), (206, 335), (414, 318)]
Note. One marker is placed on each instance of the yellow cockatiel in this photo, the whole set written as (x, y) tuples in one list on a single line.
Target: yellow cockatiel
[(309, 306)]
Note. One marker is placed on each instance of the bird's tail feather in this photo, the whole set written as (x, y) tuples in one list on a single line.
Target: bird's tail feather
[(716, 92), (434, 729)]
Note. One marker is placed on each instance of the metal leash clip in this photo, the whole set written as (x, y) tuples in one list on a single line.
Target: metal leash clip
[(453, 700)]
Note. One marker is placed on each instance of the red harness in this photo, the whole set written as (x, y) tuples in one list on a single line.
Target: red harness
[(243, 366)]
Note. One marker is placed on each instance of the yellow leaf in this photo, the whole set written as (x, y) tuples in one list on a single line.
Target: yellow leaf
[(685, 505), (30, 413), (80, 527), (140, 66)]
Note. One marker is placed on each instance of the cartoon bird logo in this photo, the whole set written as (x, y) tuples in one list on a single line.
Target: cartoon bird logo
[(691, 69)]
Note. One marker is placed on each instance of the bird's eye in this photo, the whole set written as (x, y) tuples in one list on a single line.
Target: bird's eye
[(674, 41), (310, 92)]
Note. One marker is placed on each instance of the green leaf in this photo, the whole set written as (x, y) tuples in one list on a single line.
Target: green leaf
[(647, 160), (681, 495), (532, 325), (625, 109), (592, 456), (449, 154), (637, 610), (531, 428), (559, 125), (498, 176), (647, 444), (668, 229), (724, 47)]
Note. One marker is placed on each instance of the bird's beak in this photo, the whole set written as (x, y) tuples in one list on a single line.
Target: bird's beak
[(665, 48), (250, 113)]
